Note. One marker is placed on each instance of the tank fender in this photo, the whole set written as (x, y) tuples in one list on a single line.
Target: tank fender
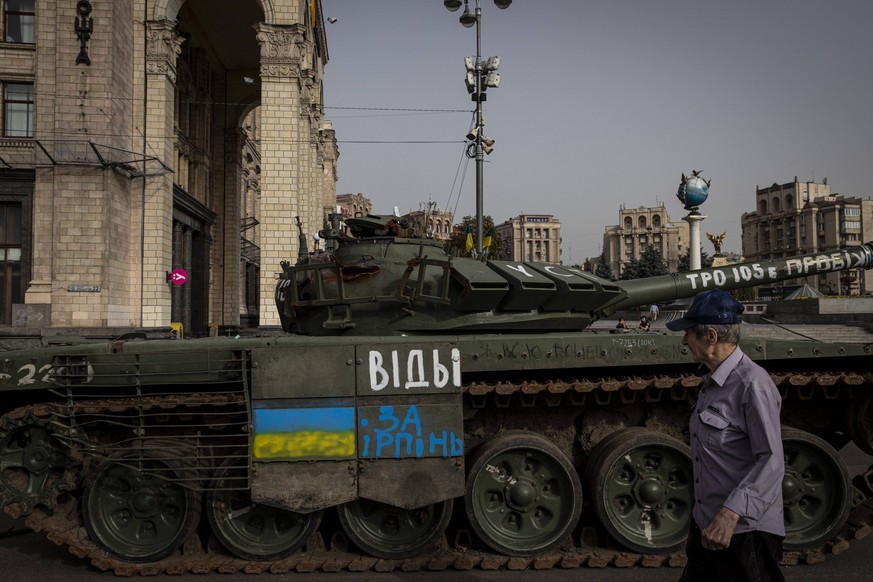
[(410, 422), (304, 487), (411, 483), (384, 423)]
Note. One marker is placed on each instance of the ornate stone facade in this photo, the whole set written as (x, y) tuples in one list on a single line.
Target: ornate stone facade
[(139, 165), (163, 47)]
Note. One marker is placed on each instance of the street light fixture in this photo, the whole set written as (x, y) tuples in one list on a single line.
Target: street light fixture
[(480, 75)]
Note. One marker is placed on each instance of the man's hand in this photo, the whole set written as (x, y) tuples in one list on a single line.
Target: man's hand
[(718, 533)]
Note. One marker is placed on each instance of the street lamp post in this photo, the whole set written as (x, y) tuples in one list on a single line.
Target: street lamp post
[(480, 76)]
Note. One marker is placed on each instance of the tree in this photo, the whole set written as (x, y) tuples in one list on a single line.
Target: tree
[(604, 269), (456, 246), (685, 261), (650, 264), (746, 293)]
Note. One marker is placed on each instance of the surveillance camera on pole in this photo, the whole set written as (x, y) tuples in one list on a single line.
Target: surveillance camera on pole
[(479, 76)]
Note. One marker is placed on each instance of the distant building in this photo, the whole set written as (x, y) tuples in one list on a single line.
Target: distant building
[(805, 217), (639, 228), (433, 222), (531, 237), (354, 205)]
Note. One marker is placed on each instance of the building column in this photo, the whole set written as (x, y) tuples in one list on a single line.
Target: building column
[(228, 245), (308, 140), (163, 46), (283, 50), (693, 219), (327, 161)]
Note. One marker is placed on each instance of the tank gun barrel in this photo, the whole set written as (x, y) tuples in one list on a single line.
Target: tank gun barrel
[(752, 274)]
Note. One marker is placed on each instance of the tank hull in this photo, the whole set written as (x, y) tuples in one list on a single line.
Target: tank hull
[(388, 430)]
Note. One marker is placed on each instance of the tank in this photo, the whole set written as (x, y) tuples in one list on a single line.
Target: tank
[(419, 411)]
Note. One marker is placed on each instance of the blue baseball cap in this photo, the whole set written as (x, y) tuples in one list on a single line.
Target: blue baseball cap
[(715, 307)]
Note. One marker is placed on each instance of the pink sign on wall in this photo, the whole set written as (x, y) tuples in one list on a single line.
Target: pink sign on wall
[(178, 276)]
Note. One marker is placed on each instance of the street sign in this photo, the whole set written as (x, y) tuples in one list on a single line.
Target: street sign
[(178, 276)]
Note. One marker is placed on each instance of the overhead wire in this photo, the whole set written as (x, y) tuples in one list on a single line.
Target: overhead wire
[(460, 171)]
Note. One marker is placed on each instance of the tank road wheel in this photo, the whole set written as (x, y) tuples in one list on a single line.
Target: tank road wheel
[(135, 508), (641, 487), (816, 490), (860, 424), (35, 467), (389, 532), (251, 531), (523, 495)]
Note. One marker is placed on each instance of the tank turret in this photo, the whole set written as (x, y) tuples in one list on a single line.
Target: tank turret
[(444, 381), (384, 280)]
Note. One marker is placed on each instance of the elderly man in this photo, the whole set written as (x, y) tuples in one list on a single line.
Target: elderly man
[(736, 449)]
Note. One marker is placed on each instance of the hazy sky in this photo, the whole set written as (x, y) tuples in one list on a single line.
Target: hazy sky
[(602, 103)]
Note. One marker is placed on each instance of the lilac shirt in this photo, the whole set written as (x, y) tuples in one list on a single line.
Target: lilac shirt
[(736, 445)]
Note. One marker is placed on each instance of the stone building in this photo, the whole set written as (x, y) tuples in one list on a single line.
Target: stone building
[(531, 237), (797, 218), (639, 228), (128, 153), (354, 205), (434, 222)]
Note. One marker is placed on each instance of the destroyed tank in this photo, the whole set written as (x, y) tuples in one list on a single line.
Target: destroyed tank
[(422, 411)]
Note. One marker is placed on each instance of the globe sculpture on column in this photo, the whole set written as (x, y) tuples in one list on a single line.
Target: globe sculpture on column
[(693, 192)]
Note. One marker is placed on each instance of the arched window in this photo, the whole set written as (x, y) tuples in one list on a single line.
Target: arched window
[(775, 204), (763, 207), (642, 222), (656, 220), (628, 223)]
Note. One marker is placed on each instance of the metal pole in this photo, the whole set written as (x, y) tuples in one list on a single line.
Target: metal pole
[(480, 160)]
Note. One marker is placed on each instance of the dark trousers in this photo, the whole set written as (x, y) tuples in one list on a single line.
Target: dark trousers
[(752, 557)]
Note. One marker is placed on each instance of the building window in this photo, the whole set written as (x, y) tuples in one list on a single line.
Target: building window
[(17, 110), (10, 259), (19, 22)]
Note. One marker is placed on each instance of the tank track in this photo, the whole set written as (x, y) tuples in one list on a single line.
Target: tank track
[(62, 525)]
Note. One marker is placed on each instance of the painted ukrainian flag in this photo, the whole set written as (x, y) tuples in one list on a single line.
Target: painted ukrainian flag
[(304, 433)]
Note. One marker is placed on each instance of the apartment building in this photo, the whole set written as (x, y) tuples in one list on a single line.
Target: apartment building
[(640, 228), (804, 217), (432, 221), (133, 191), (531, 237), (354, 205)]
